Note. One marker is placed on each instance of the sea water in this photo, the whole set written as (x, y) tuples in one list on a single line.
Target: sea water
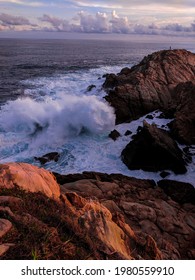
[(46, 104)]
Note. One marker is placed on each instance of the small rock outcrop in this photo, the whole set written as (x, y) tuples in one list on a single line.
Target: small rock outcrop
[(48, 157), (152, 149), (149, 85), (114, 134), (29, 178)]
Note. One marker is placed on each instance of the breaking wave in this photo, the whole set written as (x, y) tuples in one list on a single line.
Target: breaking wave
[(54, 120)]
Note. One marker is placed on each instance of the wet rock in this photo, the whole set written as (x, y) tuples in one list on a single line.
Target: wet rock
[(114, 134), (128, 132), (152, 149), (150, 117), (48, 157), (164, 174), (89, 88)]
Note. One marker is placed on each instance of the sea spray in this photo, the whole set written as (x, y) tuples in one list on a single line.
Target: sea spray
[(54, 120)]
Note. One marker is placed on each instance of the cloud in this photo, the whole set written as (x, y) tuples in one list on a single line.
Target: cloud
[(26, 3), (12, 21), (98, 23), (120, 24), (57, 24)]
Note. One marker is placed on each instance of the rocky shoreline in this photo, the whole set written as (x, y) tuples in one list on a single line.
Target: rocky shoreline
[(46, 215), (93, 216)]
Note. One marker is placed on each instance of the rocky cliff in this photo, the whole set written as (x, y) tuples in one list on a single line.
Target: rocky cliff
[(150, 85), (96, 216)]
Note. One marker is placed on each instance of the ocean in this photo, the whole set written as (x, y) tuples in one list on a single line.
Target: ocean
[(46, 105)]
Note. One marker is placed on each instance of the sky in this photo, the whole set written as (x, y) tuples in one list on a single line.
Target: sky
[(154, 17)]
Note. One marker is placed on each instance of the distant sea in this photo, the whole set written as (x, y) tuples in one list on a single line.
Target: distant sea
[(46, 105)]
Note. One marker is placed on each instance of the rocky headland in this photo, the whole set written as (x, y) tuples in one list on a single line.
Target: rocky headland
[(46, 215)]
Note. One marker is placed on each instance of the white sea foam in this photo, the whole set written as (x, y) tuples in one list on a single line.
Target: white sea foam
[(52, 121)]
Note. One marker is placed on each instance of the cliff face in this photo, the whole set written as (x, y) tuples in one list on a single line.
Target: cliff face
[(97, 216), (150, 84)]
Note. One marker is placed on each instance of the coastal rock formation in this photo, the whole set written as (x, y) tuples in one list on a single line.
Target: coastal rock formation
[(29, 178), (98, 216), (152, 149), (183, 126), (149, 85), (147, 209)]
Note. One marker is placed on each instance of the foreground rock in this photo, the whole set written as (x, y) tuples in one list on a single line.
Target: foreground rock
[(183, 126), (29, 178), (146, 208), (150, 84), (97, 216), (152, 149)]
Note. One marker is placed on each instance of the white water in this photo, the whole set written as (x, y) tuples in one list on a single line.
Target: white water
[(59, 114)]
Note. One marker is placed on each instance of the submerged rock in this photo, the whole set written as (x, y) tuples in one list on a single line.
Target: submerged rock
[(152, 149), (149, 85)]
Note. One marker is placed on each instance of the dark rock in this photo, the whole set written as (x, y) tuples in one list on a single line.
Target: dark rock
[(89, 88), (114, 134), (150, 117), (128, 132), (183, 126), (164, 174), (111, 80), (149, 85), (178, 191), (48, 157), (139, 128), (152, 149)]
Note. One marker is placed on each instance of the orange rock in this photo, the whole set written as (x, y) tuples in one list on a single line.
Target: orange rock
[(94, 221), (29, 178)]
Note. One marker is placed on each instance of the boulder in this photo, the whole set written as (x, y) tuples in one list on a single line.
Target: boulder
[(114, 134), (149, 85), (29, 178), (152, 149), (128, 132)]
